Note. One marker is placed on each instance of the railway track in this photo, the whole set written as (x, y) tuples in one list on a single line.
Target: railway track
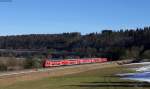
[(3, 74)]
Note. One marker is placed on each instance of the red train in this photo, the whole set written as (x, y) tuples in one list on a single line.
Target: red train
[(54, 63)]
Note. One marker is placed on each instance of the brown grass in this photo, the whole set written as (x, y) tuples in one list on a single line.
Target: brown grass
[(59, 71)]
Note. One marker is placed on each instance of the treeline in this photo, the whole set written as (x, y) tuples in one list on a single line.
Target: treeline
[(122, 44)]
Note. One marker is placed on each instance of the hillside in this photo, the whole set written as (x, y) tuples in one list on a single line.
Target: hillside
[(122, 44)]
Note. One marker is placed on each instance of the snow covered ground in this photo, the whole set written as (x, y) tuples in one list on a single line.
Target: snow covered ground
[(142, 73)]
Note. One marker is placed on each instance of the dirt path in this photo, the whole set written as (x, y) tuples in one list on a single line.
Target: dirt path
[(8, 79)]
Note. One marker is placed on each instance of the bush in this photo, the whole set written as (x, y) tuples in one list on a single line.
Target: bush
[(146, 54), (3, 67), (33, 63), (11, 63)]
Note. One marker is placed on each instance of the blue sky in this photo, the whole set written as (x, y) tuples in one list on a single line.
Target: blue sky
[(58, 16)]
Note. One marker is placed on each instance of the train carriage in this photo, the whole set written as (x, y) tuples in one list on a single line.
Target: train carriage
[(56, 63)]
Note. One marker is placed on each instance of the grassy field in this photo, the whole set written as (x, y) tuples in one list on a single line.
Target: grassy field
[(95, 79)]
